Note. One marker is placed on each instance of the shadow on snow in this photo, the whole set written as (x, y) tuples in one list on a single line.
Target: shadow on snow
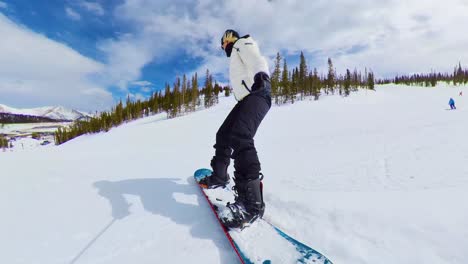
[(157, 197)]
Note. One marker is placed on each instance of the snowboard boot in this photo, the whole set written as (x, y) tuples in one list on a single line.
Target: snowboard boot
[(248, 205), (220, 177)]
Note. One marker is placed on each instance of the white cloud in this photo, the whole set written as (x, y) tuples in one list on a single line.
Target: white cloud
[(72, 14), (146, 89), (126, 57), (136, 96), (142, 83), (3, 5), (93, 7), (417, 39), (36, 71), (389, 36)]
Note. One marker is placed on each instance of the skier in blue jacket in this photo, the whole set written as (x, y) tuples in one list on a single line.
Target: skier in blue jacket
[(249, 77), (452, 104)]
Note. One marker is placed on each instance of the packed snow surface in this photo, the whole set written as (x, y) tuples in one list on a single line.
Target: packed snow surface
[(377, 177)]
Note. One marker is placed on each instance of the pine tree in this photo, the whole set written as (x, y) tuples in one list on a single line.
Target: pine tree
[(285, 82), (302, 74), (184, 93), (465, 76), (154, 105), (3, 142), (167, 104), (370, 80), (208, 90), (195, 92), (294, 84), (119, 114), (316, 85), (177, 97), (347, 82), (217, 90), (459, 74), (339, 82), (227, 91), (188, 97), (275, 79), (355, 83), (330, 76), (128, 108)]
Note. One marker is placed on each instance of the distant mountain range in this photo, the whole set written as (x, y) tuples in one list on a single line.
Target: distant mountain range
[(41, 114)]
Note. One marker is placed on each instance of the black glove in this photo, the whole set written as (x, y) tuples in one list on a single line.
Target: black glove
[(261, 81)]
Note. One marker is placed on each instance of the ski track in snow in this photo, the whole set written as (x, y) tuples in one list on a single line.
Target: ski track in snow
[(377, 177)]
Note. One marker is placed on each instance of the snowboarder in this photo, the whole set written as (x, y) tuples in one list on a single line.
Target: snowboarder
[(452, 104), (249, 77)]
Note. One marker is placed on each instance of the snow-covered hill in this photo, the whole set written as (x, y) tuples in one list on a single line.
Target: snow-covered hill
[(53, 112), (378, 177)]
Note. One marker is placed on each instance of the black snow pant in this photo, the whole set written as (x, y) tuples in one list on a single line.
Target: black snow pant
[(235, 137)]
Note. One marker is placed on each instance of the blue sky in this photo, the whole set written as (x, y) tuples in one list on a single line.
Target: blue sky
[(87, 54), (82, 26)]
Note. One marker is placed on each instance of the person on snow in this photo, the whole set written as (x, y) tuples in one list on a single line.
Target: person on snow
[(249, 78), (452, 104)]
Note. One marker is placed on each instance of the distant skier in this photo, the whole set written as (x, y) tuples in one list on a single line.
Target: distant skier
[(461, 93), (452, 104), (249, 77)]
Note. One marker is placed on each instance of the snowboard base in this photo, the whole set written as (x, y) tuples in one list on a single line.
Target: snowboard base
[(260, 242)]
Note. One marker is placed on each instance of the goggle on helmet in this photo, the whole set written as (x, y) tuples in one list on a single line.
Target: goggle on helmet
[(229, 36)]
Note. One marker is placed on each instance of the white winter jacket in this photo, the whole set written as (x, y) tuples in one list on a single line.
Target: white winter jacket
[(246, 61)]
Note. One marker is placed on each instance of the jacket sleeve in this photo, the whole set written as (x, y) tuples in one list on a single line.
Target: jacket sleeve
[(250, 55)]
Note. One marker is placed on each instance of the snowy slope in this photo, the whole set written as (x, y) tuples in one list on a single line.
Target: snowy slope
[(54, 112), (378, 177)]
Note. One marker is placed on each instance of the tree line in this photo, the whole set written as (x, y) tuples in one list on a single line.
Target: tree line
[(290, 86), (459, 76), (7, 118), (183, 97), (186, 95)]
